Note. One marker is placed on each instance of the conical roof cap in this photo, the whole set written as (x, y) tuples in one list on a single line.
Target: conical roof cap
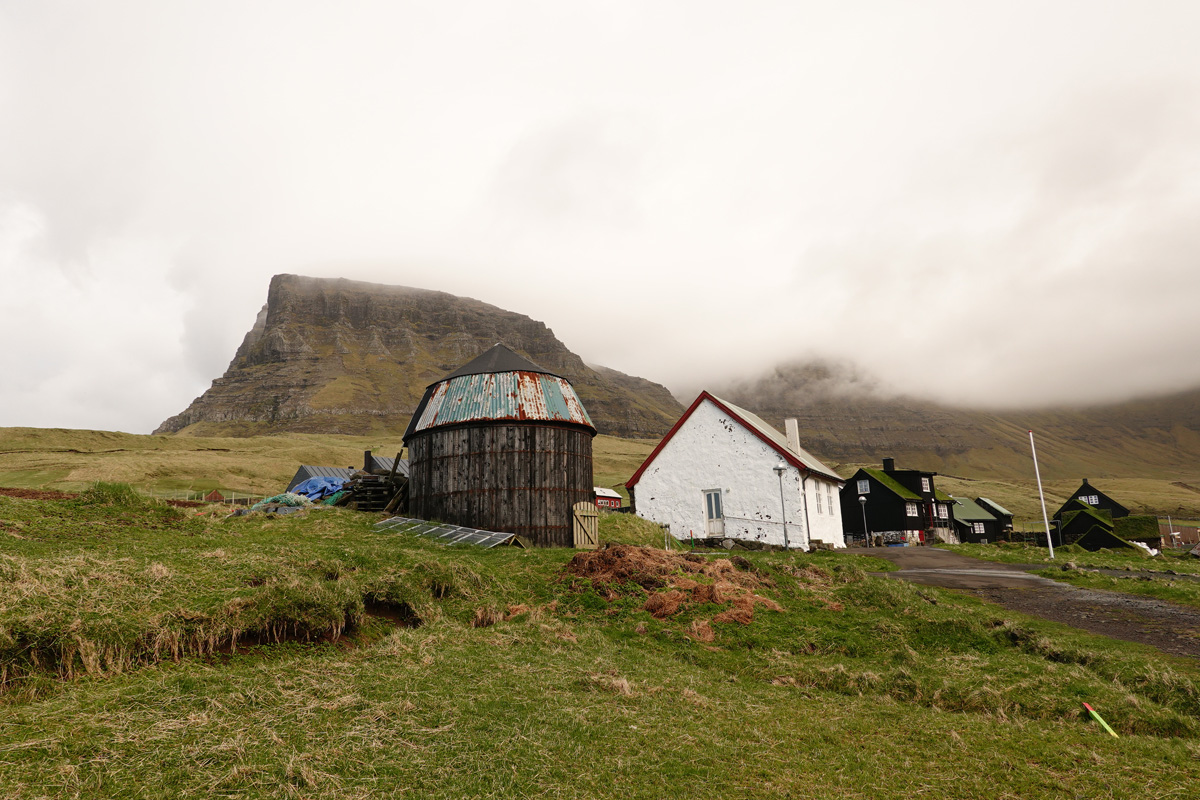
[(497, 359)]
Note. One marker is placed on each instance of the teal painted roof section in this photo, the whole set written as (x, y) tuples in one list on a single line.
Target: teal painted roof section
[(967, 510), (987, 501), (502, 397), (892, 484)]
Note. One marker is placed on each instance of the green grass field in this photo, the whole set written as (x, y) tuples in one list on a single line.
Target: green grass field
[(69, 460), (151, 652)]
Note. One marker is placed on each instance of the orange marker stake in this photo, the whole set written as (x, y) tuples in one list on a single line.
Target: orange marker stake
[(1099, 719)]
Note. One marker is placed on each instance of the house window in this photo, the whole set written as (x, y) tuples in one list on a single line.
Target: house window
[(943, 511), (817, 494), (925, 485), (864, 486), (977, 528), (829, 496), (1091, 499), (911, 508), (712, 504)]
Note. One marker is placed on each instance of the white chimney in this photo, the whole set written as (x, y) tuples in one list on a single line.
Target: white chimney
[(792, 427)]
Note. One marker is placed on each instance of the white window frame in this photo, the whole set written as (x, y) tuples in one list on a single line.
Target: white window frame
[(943, 511), (911, 509), (864, 486), (925, 485), (817, 495), (977, 528)]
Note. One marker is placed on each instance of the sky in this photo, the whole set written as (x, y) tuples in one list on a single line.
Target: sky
[(983, 203)]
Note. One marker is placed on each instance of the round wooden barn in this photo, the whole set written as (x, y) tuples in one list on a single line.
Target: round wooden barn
[(501, 444)]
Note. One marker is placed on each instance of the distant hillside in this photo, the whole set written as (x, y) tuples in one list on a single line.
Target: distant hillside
[(845, 417), (345, 357)]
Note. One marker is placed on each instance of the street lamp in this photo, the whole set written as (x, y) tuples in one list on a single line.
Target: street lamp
[(862, 501), (781, 468)]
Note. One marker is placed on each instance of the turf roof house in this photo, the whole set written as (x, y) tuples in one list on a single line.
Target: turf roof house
[(713, 475), (901, 505), (1086, 493)]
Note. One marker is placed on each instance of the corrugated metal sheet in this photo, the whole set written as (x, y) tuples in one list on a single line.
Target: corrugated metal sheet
[(504, 396)]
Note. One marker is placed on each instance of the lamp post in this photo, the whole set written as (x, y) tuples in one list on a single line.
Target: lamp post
[(781, 468), (862, 501)]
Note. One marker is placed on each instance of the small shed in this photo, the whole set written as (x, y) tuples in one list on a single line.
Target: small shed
[(974, 523), (214, 497), (502, 444), (607, 498)]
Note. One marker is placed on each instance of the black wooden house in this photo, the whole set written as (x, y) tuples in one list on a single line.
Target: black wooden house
[(1086, 493), (895, 505)]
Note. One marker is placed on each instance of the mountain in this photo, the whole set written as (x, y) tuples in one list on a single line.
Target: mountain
[(340, 356), (845, 416)]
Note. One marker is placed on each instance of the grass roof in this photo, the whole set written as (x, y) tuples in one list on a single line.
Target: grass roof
[(1142, 526), (891, 484)]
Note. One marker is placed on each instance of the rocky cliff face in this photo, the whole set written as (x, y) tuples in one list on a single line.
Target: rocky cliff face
[(339, 356)]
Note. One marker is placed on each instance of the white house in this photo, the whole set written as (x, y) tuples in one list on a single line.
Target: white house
[(722, 471)]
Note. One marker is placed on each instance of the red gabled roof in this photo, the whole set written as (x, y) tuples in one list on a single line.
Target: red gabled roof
[(741, 416)]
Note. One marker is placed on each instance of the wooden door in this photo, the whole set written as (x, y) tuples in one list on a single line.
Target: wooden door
[(585, 525), (714, 513)]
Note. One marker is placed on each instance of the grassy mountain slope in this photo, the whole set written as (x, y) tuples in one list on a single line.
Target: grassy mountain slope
[(846, 418)]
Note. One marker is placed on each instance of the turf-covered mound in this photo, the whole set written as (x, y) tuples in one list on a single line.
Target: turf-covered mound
[(676, 581)]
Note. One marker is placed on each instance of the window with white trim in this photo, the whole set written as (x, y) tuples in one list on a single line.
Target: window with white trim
[(817, 494), (977, 528), (925, 485), (911, 508), (1091, 499), (943, 511), (829, 496), (864, 486)]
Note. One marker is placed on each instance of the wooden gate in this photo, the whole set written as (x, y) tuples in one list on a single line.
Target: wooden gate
[(585, 524)]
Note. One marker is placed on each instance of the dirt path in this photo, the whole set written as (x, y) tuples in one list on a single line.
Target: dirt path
[(1169, 627)]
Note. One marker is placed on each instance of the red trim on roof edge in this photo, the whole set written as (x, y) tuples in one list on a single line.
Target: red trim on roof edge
[(704, 395)]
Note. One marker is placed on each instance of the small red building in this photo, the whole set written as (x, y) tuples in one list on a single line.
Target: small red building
[(607, 498)]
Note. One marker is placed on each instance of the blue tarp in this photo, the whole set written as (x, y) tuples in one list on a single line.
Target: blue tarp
[(316, 488)]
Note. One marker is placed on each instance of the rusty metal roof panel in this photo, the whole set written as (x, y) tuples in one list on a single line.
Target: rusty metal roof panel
[(503, 396)]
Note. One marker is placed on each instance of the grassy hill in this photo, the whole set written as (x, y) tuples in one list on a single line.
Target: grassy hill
[(175, 464), (151, 652)]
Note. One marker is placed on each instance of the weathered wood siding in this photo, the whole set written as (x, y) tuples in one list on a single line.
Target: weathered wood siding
[(521, 479)]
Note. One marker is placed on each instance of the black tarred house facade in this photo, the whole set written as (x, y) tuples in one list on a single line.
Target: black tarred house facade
[(899, 505)]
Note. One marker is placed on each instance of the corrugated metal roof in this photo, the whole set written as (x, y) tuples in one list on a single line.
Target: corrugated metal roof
[(811, 462), (305, 472), (602, 492), (385, 463), (494, 397), (967, 510), (986, 502)]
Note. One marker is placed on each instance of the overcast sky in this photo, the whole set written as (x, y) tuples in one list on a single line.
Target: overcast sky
[(985, 203)]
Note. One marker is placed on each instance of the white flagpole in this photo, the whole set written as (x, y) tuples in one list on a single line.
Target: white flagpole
[(1038, 472)]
